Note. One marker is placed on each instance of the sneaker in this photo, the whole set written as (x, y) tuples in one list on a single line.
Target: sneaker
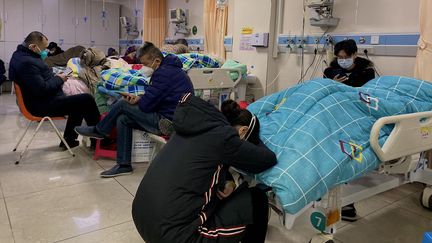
[(117, 170), (166, 127), (90, 132), (349, 213)]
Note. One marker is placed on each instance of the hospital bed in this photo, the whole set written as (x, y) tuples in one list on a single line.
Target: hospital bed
[(403, 161), (206, 80)]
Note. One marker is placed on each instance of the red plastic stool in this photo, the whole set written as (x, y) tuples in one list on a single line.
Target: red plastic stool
[(105, 152)]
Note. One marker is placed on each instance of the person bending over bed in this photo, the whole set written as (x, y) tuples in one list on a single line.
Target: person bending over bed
[(168, 83), (188, 195), (347, 67)]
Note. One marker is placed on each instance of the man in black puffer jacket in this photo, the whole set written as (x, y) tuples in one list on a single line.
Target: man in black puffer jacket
[(42, 90), (347, 67), (187, 193)]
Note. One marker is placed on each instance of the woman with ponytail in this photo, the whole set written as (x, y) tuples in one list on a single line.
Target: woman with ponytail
[(188, 194)]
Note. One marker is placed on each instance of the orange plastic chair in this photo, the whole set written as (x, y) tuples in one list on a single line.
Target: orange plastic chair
[(31, 118)]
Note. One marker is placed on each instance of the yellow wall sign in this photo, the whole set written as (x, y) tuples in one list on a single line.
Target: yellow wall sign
[(246, 30)]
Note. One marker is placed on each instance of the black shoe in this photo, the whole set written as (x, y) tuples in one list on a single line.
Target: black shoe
[(349, 213), (72, 144), (90, 132), (166, 127), (117, 170)]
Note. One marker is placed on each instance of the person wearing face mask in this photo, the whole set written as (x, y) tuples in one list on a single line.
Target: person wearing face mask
[(42, 90), (167, 85), (347, 67), (54, 49), (188, 194), (353, 71)]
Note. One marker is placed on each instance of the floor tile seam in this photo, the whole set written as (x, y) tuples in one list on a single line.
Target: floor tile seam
[(9, 220), (93, 231), (51, 188)]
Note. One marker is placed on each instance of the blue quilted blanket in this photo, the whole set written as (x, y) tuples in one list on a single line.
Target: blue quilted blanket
[(320, 131)]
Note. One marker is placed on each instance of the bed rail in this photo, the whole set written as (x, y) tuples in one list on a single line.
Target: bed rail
[(214, 78), (412, 134)]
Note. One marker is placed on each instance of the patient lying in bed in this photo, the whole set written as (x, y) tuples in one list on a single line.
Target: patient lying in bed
[(320, 132)]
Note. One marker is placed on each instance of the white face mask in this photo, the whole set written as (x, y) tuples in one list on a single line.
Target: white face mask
[(345, 63), (147, 71)]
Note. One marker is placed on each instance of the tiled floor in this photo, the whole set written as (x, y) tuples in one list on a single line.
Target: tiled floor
[(53, 197)]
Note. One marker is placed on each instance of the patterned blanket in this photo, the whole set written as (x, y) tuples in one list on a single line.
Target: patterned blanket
[(320, 132), (197, 60), (119, 80)]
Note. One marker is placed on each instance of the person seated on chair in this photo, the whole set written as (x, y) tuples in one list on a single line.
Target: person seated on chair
[(353, 71), (347, 67), (42, 90), (188, 193), (168, 83)]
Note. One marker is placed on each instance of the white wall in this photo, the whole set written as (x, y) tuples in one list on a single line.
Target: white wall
[(357, 16), (196, 9), (127, 9), (60, 20)]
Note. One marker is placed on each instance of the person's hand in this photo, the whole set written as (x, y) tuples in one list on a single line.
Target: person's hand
[(340, 79), (62, 76), (230, 186), (131, 99)]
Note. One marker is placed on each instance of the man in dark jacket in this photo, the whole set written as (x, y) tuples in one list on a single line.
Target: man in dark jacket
[(42, 90), (179, 199), (168, 83), (347, 67)]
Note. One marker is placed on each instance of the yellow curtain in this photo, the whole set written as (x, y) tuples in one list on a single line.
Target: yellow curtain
[(155, 21), (423, 66), (215, 28)]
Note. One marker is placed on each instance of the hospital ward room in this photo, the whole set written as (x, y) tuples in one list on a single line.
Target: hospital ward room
[(216, 121)]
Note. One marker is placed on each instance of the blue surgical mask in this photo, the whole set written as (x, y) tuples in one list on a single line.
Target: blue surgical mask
[(43, 54), (345, 63)]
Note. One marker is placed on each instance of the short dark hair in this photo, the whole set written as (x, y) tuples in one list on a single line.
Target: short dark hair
[(349, 46), (34, 38), (181, 41), (149, 49), (241, 117)]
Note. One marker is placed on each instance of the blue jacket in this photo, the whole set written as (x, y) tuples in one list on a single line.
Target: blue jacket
[(168, 84), (38, 84)]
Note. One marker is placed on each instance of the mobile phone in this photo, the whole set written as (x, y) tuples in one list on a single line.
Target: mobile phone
[(67, 72)]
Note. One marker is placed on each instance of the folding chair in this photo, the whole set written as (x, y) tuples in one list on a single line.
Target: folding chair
[(31, 118)]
